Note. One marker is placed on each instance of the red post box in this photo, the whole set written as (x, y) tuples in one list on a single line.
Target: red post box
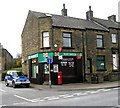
[(59, 77)]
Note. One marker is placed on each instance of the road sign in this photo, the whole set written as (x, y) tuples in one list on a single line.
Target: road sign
[(49, 60)]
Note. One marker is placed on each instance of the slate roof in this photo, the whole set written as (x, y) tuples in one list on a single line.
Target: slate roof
[(70, 22), (106, 23)]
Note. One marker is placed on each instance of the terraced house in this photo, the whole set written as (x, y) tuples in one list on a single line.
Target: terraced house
[(79, 48), (6, 59)]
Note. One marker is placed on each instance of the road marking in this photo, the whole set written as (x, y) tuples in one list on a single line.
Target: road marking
[(37, 99), (23, 98), (2, 105), (20, 103), (83, 93), (2, 90), (54, 98), (41, 100), (115, 88), (78, 94), (107, 89), (63, 95), (47, 97), (68, 96)]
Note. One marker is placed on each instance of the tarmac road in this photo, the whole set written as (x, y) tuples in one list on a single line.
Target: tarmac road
[(48, 97)]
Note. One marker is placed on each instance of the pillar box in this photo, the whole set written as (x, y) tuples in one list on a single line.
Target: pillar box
[(59, 78)]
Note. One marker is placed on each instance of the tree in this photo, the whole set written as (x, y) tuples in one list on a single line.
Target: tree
[(18, 61)]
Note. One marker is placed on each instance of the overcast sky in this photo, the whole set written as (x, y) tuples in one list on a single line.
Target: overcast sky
[(13, 14)]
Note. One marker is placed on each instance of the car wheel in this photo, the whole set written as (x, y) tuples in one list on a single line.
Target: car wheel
[(6, 83), (13, 84)]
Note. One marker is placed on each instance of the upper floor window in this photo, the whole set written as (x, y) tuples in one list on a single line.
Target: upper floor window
[(114, 38), (45, 39), (115, 61), (99, 39), (100, 62), (67, 40)]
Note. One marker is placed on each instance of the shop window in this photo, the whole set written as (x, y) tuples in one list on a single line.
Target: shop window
[(114, 36), (46, 69), (67, 40), (34, 70), (99, 40), (45, 39), (100, 62)]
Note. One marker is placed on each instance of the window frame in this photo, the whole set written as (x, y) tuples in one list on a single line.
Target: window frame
[(69, 41), (44, 45), (99, 40)]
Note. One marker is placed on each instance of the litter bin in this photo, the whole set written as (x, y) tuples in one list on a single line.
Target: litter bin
[(59, 78), (94, 79)]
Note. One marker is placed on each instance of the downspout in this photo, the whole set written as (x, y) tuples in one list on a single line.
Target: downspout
[(83, 58)]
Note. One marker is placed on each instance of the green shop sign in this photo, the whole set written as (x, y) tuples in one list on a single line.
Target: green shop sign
[(70, 54), (42, 57), (33, 56)]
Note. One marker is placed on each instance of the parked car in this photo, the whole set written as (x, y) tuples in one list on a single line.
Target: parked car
[(15, 78)]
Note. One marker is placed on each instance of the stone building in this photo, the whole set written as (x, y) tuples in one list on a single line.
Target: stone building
[(6, 59), (79, 48)]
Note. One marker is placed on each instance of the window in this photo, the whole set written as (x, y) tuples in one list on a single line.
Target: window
[(45, 39), (34, 70), (115, 62), (100, 62), (114, 40), (67, 40), (99, 41)]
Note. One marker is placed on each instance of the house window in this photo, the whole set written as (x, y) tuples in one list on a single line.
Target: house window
[(100, 62), (114, 36), (99, 39), (67, 40), (45, 39), (115, 62)]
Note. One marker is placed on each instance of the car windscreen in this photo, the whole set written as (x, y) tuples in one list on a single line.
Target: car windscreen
[(17, 74)]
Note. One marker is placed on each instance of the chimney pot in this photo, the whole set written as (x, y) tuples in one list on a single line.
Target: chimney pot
[(64, 11), (89, 14), (112, 18)]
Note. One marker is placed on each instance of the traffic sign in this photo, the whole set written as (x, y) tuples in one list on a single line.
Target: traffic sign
[(49, 60)]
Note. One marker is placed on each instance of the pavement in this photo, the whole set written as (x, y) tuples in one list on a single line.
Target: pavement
[(78, 86)]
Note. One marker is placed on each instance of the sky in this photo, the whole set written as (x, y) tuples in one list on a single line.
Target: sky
[(13, 14)]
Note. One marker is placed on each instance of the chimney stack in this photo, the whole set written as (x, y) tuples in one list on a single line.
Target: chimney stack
[(112, 18), (89, 14), (64, 11)]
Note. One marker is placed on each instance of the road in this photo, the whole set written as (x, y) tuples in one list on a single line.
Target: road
[(34, 97)]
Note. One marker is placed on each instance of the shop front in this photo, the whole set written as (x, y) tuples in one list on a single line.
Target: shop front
[(67, 64)]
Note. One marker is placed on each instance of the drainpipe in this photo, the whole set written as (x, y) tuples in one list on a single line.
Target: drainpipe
[(83, 58)]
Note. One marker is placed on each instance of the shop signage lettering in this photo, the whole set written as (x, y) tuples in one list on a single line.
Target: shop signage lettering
[(69, 64)]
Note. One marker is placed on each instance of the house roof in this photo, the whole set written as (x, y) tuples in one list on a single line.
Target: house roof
[(70, 22), (106, 23)]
